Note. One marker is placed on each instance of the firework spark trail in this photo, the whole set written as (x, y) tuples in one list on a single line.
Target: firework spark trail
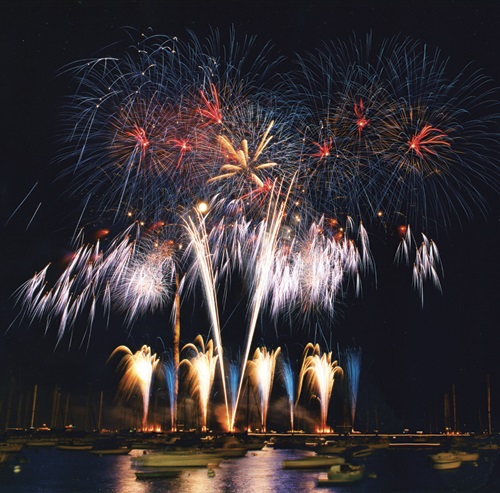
[(146, 283), (288, 376), (205, 272), (234, 379), (319, 372), (261, 368), (201, 373), (85, 279), (353, 369), (427, 263), (260, 257), (311, 270), (169, 373), (138, 373)]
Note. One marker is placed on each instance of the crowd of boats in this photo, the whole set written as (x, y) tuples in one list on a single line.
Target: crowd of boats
[(337, 459)]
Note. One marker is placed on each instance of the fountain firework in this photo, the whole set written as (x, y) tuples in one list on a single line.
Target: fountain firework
[(138, 373), (201, 366), (353, 369), (170, 373), (288, 376), (261, 370), (318, 373)]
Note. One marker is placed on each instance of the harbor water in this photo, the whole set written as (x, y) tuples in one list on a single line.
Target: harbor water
[(49, 470)]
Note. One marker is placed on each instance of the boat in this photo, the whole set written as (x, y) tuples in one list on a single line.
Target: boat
[(489, 447), (228, 452), (74, 446), (10, 447), (178, 459), (341, 474), (445, 461), (313, 462), (330, 447), (364, 452), (467, 456)]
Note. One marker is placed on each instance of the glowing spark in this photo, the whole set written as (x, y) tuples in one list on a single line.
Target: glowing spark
[(361, 121)]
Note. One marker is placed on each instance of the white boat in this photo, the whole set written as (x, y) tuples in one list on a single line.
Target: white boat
[(10, 447), (445, 461), (313, 462), (341, 474), (364, 452), (178, 459), (330, 447), (74, 446), (466, 456), (489, 446)]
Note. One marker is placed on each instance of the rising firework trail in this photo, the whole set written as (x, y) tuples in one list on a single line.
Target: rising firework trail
[(261, 264), (205, 272)]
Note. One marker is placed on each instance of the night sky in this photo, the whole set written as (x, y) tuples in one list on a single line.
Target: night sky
[(411, 356)]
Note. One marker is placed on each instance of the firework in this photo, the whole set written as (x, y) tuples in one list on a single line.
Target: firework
[(201, 366), (261, 369), (288, 377), (318, 373), (169, 369), (396, 133), (292, 171), (353, 368), (139, 368)]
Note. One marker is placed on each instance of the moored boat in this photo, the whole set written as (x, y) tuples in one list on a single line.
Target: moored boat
[(312, 462), (341, 474), (10, 447), (445, 461), (465, 456), (74, 446), (330, 447), (178, 460)]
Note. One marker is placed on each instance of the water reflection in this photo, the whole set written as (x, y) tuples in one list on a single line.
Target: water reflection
[(56, 471)]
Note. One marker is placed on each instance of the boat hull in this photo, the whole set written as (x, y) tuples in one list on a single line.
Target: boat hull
[(178, 460), (312, 462), (341, 474)]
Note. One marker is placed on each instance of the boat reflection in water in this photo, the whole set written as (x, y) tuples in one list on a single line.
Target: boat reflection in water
[(402, 469)]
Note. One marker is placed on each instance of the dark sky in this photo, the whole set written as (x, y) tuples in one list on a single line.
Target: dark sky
[(411, 357)]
